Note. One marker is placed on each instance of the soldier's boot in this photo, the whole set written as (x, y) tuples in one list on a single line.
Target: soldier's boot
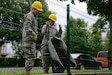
[(27, 73)]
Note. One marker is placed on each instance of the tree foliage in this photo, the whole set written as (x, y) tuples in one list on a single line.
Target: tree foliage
[(103, 9), (99, 7), (96, 40), (12, 13), (78, 36), (82, 40)]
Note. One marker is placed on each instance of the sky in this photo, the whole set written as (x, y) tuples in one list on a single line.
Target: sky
[(79, 10)]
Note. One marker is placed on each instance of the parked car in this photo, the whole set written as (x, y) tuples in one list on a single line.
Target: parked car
[(86, 61), (102, 56)]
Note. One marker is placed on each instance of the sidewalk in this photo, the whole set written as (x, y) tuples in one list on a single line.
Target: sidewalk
[(14, 70), (90, 73), (19, 69)]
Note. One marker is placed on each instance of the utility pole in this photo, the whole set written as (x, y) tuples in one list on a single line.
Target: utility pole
[(68, 40)]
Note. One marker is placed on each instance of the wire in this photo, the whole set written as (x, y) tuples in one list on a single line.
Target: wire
[(70, 7), (84, 15), (12, 10), (74, 11), (58, 14)]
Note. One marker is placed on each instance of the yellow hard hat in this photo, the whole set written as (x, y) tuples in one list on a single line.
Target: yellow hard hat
[(37, 5), (53, 17)]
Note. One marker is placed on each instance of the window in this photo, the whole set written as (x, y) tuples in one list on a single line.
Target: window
[(103, 54), (86, 57)]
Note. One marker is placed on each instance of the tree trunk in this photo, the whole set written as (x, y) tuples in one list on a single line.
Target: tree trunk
[(110, 47), (0, 50)]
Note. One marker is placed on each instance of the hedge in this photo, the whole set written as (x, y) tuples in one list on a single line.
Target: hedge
[(14, 62)]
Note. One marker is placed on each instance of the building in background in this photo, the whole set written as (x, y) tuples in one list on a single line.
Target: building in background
[(7, 50)]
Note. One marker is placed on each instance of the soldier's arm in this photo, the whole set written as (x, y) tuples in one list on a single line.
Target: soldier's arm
[(44, 29), (57, 33), (28, 29)]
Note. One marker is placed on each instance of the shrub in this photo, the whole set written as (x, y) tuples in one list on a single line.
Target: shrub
[(14, 62)]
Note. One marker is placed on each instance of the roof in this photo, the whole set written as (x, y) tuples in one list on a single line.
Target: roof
[(75, 55)]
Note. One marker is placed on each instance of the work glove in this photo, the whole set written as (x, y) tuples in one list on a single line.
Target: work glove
[(35, 37)]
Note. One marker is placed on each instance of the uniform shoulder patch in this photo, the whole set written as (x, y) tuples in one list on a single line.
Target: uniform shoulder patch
[(29, 17)]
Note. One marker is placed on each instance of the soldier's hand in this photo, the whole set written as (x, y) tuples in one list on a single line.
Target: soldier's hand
[(35, 38), (60, 26), (47, 23)]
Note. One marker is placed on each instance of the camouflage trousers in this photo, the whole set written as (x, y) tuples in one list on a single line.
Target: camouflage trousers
[(30, 57), (46, 59)]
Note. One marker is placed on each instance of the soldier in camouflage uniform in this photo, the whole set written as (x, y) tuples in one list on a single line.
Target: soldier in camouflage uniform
[(48, 30), (29, 36)]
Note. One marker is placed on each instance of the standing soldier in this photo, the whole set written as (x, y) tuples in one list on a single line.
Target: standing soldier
[(29, 36), (48, 31)]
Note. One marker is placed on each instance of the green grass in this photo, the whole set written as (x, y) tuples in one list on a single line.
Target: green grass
[(78, 71), (41, 72), (18, 73)]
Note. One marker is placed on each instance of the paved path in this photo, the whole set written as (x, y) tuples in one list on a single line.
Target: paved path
[(40, 69), (91, 73), (19, 69), (22, 69)]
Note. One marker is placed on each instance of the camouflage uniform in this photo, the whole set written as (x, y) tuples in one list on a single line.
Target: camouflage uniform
[(28, 44), (47, 31)]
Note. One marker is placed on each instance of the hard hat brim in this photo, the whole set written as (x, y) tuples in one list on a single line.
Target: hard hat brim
[(40, 10)]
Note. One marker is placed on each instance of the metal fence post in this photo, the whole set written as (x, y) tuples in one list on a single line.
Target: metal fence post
[(68, 40)]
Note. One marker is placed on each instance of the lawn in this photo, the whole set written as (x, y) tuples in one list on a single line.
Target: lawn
[(41, 72)]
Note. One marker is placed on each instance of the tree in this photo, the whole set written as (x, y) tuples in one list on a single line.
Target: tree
[(103, 9), (12, 15), (96, 40), (78, 36)]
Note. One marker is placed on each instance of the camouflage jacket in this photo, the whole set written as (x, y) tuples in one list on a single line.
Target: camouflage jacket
[(29, 28), (48, 32)]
